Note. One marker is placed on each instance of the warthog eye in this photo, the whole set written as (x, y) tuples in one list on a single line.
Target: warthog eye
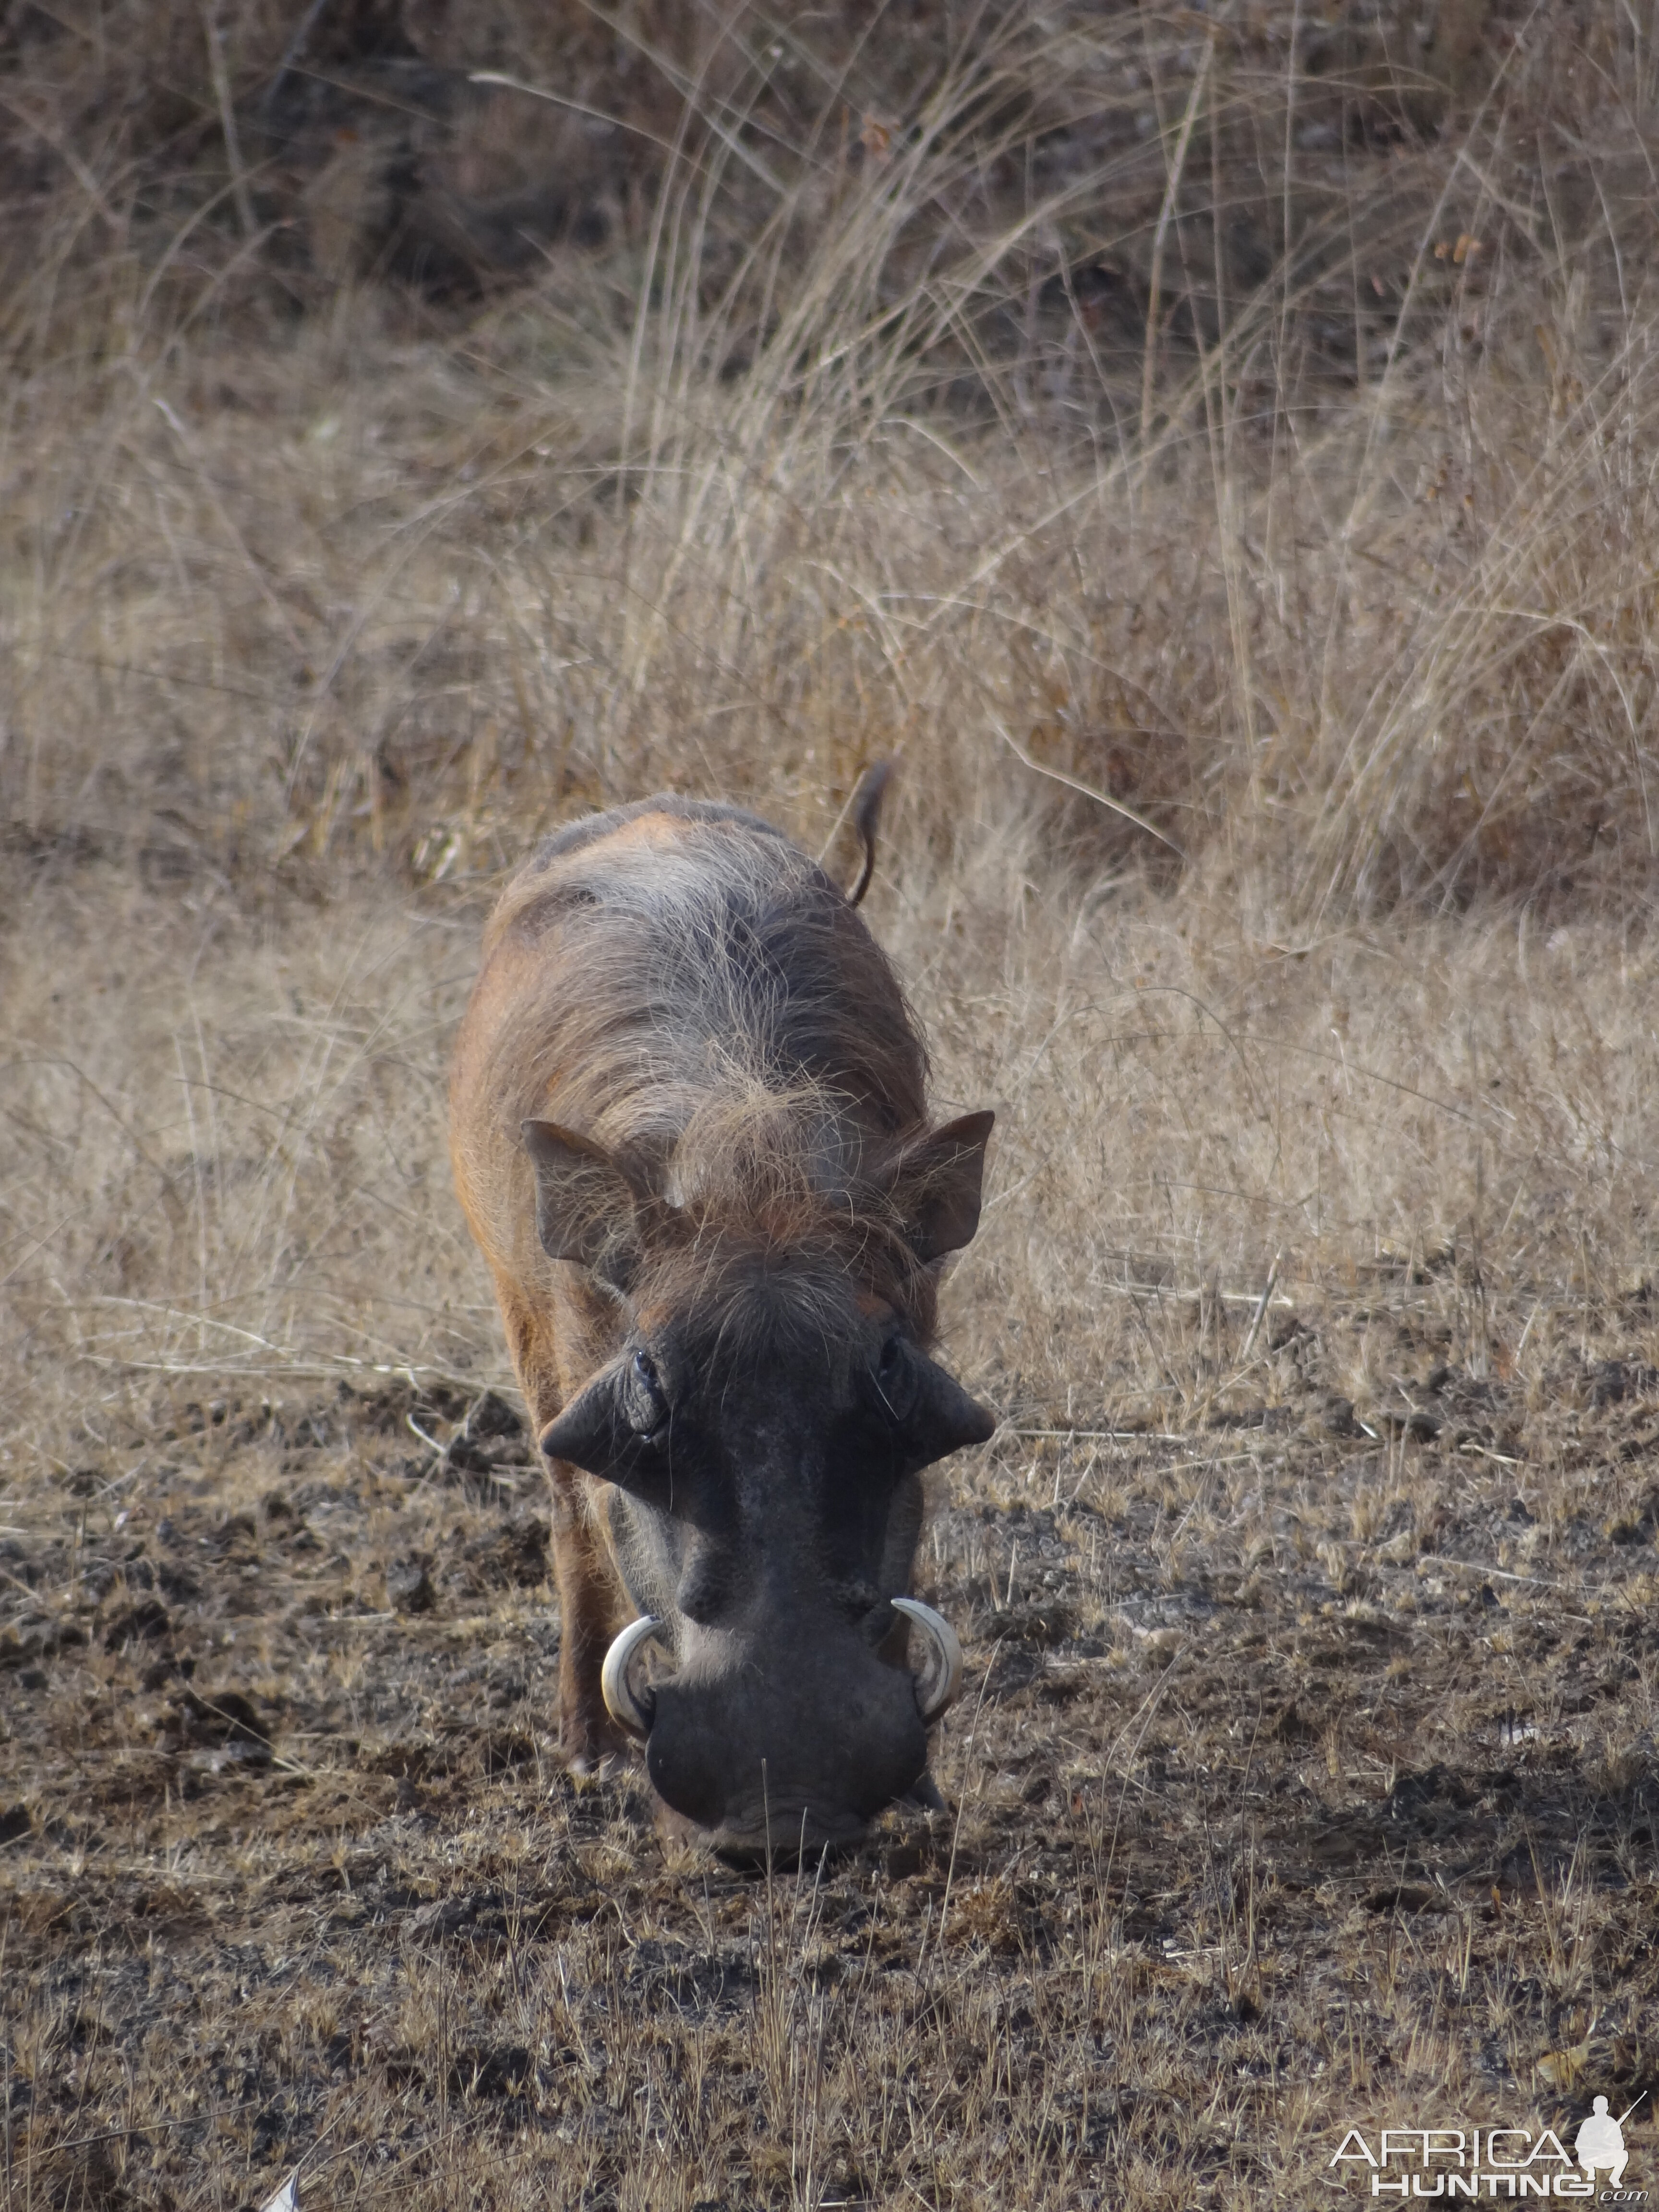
[(644, 1398), (896, 1378)]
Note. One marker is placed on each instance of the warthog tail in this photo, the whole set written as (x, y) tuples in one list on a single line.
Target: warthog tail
[(866, 814)]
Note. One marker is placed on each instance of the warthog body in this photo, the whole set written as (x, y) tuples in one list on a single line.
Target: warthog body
[(689, 1133)]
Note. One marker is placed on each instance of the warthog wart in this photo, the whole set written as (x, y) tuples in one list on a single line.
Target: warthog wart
[(689, 1131)]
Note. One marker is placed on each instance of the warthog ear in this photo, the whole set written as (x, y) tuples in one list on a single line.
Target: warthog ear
[(588, 1205), (589, 1432), (935, 1184), (595, 1433), (931, 1414), (945, 1418)]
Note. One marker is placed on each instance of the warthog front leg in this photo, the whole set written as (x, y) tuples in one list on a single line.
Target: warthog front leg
[(587, 1622), (552, 1346)]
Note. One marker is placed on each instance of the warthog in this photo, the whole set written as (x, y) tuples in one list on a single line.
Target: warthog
[(689, 1131)]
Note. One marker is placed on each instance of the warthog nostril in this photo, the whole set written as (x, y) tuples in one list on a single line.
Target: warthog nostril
[(939, 1682), (629, 1698)]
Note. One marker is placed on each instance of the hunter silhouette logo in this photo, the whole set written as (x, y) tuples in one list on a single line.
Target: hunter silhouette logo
[(1501, 2162), (1600, 2143)]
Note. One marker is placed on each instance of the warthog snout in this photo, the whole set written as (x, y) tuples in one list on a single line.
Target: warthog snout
[(633, 1704), (745, 1751)]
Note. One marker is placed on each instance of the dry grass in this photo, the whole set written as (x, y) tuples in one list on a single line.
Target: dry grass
[(1268, 654), (1279, 478)]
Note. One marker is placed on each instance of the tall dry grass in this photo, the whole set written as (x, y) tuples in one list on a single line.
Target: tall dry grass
[(1241, 428)]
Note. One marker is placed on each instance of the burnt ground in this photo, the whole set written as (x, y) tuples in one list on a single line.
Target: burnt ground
[(1305, 1779)]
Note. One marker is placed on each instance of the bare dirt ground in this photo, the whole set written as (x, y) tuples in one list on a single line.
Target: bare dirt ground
[(1340, 1809)]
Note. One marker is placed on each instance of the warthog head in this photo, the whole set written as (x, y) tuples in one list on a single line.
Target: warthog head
[(764, 1426)]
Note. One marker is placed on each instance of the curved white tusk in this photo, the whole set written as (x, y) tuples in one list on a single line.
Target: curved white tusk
[(940, 1682), (630, 1707)]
